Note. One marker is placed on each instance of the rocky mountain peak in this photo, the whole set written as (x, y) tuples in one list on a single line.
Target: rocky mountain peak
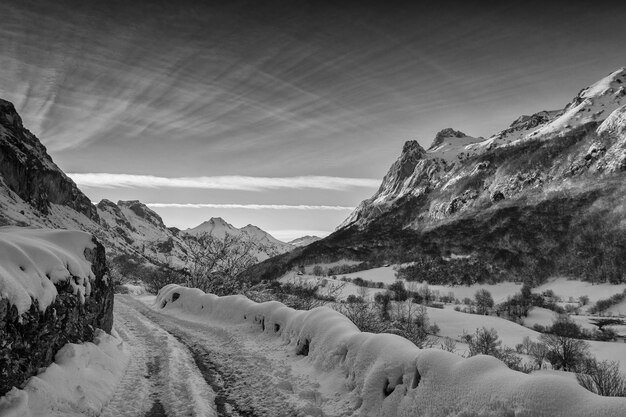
[(445, 134), (143, 211), (9, 117), (412, 146)]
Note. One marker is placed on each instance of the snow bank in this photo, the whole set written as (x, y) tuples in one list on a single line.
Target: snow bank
[(80, 381), (33, 260), (388, 375)]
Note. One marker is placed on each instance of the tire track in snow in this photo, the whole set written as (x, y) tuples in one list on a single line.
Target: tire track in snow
[(251, 374), (241, 380), (162, 378)]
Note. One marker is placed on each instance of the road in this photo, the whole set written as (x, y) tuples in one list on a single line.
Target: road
[(180, 367)]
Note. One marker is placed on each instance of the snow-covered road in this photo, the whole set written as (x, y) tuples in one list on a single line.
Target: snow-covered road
[(181, 367)]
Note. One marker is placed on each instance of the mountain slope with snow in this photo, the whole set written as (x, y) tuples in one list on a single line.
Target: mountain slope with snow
[(266, 246), (304, 240), (525, 205)]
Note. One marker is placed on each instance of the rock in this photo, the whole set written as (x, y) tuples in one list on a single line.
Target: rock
[(28, 170), (29, 341)]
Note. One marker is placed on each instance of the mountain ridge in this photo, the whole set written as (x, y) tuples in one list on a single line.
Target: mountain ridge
[(520, 204)]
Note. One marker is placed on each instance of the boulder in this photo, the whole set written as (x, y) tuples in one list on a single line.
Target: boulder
[(68, 310)]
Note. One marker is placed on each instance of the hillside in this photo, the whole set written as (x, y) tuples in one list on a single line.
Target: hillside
[(545, 196)]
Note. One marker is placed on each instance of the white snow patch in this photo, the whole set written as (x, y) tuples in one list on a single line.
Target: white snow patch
[(80, 381), (33, 260), (566, 288)]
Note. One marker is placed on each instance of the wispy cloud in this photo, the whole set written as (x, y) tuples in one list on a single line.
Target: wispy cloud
[(248, 206), (238, 183)]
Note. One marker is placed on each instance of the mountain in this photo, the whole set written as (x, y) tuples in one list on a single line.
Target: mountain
[(266, 245), (34, 191), (304, 240), (544, 196)]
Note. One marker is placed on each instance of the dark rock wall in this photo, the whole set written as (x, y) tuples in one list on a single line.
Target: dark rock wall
[(28, 170), (30, 341)]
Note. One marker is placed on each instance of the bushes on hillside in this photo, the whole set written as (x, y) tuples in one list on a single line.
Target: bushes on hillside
[(439, 271), (604, 304)]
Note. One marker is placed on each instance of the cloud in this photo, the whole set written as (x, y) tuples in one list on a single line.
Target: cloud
[(248, 206), (234, 182)]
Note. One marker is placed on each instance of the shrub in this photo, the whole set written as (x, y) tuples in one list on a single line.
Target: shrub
[(565, 350), (484, 301), (603, 378), (604, 304)]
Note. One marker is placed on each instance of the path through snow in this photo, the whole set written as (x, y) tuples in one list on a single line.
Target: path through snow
[(182, 367)]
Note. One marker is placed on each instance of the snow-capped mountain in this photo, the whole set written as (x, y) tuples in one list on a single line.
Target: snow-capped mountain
[(537, 196), (304, 240), (450, 145), (144, 231), (266, 245), (34, 191)]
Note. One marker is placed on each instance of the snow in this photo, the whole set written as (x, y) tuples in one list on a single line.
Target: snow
[(33, 260), (304, 241), (594, 103), (566, 288), (266, 245), (161, 376), (135, 289), (387, 375), (385, 274), (80, 381), (541, 316), (451, 147), (617, 309)]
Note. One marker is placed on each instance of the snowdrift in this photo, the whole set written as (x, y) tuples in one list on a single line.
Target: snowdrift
[(33, 260), (80, 381), (389, 376)]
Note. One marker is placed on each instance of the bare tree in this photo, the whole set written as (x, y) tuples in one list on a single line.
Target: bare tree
[(603, 378), (215, 263)]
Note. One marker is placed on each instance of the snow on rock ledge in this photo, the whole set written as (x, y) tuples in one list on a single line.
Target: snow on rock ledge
[(52, 291), (81, 381), (389, 376), (32, 261)]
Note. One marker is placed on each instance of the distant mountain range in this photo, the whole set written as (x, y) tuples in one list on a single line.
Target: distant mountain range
[(34, 191), (304, 240), (546, 195)]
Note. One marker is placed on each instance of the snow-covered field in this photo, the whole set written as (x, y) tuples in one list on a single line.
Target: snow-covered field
[(453, 323), (566, 288)]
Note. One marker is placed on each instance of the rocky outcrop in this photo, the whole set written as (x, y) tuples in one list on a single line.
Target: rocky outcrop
[(445, 134), (30, 339), (28, 170)]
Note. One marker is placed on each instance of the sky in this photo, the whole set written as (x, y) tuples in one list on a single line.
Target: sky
[(281, 114)]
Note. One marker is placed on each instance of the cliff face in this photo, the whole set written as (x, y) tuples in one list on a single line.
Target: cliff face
[(546, 195), (60, 298), (28, 170)]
